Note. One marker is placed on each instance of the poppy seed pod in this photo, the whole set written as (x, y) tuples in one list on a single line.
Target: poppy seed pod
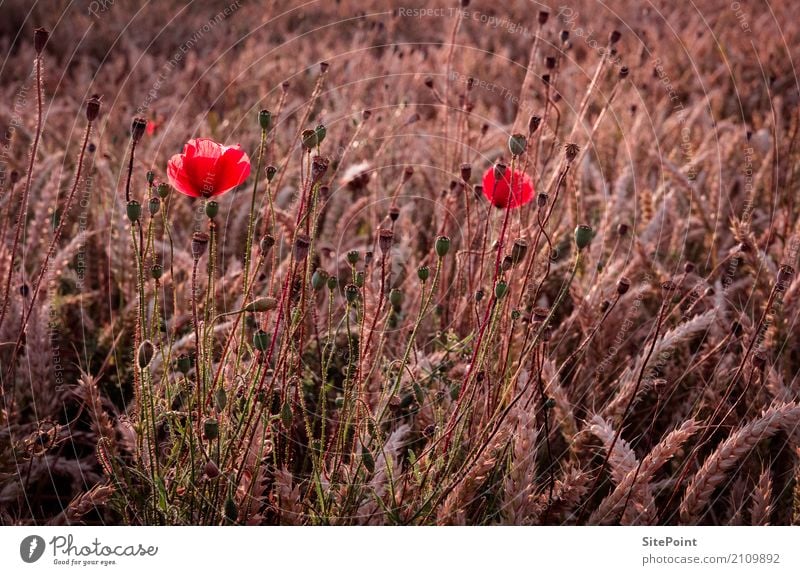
[(368, 257), (137, 129), (479, 293), (321, 131), (271, 171), (622, 230), (550, 62), (466, 172), (211, 470), (500, 289), (262, 304), (199, 244), (318, 279), (564, 35), (614, 37), (351, 293), (309, 138), (352, 257), (533, 124), (499, 170), (517, 144), (265, 119), (604, 305), (332, 283), (442, 246), (266, 243), (162, 190), (583, 236), (407, 173), (212, 209), (394, 213), (302, 243), (40, 37), (183, 363), (385, 239), (261, 340), (134, 211), (518, 250), (359, 279), (150, 176), (543, 16), (319, 166), (571, 152), (546, 79), (396, 298), (541, 199), (211, 428), (623, 72), (154, 205), (506, 264), (156, 271), (92, 108), (623, 285), (423, 273), (145, 353)]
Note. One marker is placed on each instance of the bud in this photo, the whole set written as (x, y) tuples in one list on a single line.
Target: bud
[(321, 131), (137, 129), (40, 37), (352, 257), (163, 190), (442, 246), (262, 304), (145, 353), (211, 428), (199, 244), (266, 243), (212, 209), (517, 144), (385, 239), (423, 273), (92, 108), (154, 205), (466, 172), (183, 363), (271, 171), (156, 271), (318, 279), (302, 243), (134, 211), (571, 152), (351, 293), (261, 340), (519, 250), (623, 285), (583, 236), (500, 289), (533, 124), (265, 120)]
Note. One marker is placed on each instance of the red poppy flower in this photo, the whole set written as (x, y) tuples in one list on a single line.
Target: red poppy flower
[(499, 192), (206, 168)]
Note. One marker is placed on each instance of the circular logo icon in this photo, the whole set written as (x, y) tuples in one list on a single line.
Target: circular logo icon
[(31, 549)]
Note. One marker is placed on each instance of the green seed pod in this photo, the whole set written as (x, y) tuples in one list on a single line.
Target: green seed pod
[(332, 283), (423, 273), (396, 298), (320, 132), (221, 398), (360, 279), (156, 271), (339, 402), (265, 120), (500, 289), (183, 363), (310, 140), (154, 205), (318, 279), (262, 304), (261, 340), (134, 211), (286, 414), (368, 460), (515, 314), (442, 246), (163, 190), (271, 171), (352, 257), (583, 236), (211, 428), (212, 209), (351, 293), (517, 144), (145, 354), (519, 250)]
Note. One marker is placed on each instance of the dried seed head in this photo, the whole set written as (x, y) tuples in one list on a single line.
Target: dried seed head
[(623, 285), (622, 230), (604, 305), (368, 257), (543, 16), (546, 79), (92, 108), (519, 250), (614, 37), (533, 124), (688, 267), (550, 62), (266, 243), (517, 144), (385, 239), (366, 114), (302, 243), (271, 171), (541, 199), (137, 129), (323, 66), (564, 35), (40, 37), (506, 264), (211, 470), (199, 244), (211, 428), (466, 172), (309, 140), (14, 177), (571, 151)]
